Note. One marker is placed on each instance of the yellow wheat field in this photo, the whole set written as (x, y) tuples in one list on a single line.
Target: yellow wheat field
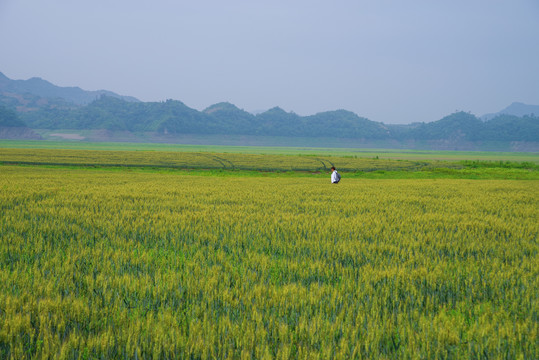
[(205, 160), (120, 264)]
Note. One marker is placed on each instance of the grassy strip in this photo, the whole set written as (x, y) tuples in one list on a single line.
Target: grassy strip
[(476, 164), (446, 173)]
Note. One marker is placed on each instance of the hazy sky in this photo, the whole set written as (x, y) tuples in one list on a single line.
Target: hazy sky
[(391, 61)]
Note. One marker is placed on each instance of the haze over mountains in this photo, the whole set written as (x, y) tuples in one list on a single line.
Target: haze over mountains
[(44, 89), (516, 109), (37, 104)]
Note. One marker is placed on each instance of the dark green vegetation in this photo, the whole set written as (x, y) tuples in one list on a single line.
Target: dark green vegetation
[(12, 127), (174, 117), (9, 118)]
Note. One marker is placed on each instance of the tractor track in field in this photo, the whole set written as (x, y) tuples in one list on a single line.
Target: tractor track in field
[(221, 161), (324, 164)]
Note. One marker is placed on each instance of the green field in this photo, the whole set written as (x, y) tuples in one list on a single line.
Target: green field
[(167, 253), (281, 150), (238, 164)]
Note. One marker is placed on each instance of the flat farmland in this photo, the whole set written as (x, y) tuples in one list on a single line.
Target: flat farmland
[(320, 151), (247, 164), (128, 263)]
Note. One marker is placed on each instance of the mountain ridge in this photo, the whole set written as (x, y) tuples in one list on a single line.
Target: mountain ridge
[(516, 108), (172, 118), (45, 89)]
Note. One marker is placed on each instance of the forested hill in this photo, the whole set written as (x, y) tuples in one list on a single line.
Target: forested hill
[(9, 118), (12, 127), (466, 127), (174, 117)]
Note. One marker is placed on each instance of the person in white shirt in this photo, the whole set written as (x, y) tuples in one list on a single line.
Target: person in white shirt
[(335, 176)]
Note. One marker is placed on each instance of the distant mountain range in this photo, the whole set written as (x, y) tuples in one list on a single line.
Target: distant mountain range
[(516, 108), (37, 104), (42, 89)]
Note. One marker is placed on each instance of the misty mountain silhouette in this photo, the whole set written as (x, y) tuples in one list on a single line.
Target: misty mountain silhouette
[(45, 89)]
